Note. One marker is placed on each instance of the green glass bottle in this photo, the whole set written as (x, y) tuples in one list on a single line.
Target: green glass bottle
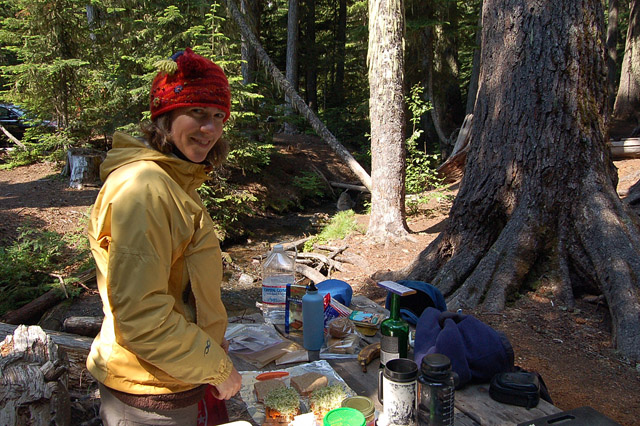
[(395, 334)]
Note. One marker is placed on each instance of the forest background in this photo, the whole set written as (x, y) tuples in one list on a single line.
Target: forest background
[(87, 66)]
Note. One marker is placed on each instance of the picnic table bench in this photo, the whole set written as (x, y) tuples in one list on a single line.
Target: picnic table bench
[(473, 405)]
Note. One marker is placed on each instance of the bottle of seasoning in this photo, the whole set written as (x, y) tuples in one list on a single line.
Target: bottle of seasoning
[(436, 385), (394, 342), (312, 319)]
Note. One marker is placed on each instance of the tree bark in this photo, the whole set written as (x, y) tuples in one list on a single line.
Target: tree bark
[(472, 90), (249, 67), (539, 190), (84, 326), (297, 101), (612, 53), (292, 45), (627, 102), (33, 310), (386, 112), (337, 98), (84, 167), (311, 66), (33, 378)]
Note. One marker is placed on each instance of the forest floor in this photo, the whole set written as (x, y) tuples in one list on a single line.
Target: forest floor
[(570, 348)]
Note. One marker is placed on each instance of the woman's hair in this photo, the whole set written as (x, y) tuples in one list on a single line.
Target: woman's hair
[(157, 134)]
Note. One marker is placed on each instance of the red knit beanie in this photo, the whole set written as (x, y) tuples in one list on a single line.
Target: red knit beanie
[(188, 79)]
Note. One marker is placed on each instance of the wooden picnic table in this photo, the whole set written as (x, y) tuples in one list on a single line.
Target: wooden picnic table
[(473, 405)]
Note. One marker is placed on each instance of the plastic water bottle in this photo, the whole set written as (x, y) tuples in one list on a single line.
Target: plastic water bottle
[(312, 319), (436, 395), (278, 270)]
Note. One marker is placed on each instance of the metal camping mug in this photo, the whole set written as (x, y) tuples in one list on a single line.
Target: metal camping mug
[(397, 391)]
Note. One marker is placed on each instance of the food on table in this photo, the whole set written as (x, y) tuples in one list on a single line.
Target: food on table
[(262, 388), (345, 345), (326, 399), (341, 327), (368, 354), (272, 375), (308, 382), (281, 406)]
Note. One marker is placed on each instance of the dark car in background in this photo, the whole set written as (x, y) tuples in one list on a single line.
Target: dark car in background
[(16, 121), (13, 119)]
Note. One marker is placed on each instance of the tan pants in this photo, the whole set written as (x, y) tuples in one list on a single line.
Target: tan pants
[(116, 413)]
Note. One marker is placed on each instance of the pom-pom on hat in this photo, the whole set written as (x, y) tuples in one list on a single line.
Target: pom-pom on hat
[(188, 79)]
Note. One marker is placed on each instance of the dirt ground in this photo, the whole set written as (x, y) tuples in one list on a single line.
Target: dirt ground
[(571, 349)]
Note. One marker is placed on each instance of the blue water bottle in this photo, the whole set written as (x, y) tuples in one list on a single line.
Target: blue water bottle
[(312, 319)]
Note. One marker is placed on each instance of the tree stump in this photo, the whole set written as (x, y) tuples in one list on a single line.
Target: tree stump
[(33, 380), (83, 167)]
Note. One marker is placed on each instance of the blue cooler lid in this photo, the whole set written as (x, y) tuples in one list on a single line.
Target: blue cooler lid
[(338, 289)]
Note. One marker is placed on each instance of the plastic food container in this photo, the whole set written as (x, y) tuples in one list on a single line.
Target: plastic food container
[(344, 416), (364, 405)]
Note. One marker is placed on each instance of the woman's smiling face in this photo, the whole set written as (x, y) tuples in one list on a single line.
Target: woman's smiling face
[(195, 130)]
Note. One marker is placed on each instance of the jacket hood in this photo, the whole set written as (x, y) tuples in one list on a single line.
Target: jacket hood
[(127, 149)]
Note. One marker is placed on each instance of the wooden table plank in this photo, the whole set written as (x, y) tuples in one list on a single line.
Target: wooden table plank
[(475, 402)]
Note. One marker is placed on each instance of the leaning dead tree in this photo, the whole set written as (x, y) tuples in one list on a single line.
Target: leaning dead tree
[(297, 102), (539, 190)]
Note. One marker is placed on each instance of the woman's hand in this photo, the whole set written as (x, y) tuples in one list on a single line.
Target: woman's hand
[(227, 389), (225, 345)]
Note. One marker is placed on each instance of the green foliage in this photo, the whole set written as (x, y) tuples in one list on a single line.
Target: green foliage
[(249, 156), (340, 226), (420, 170), (310, 184), (39, 145), (226, 205), (26, 264)]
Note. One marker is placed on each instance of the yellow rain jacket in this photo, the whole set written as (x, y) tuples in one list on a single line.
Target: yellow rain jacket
[(159, 270)]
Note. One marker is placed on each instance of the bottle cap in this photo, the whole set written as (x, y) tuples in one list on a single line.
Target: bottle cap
[(344, 416), (436, 366), (360, 403)]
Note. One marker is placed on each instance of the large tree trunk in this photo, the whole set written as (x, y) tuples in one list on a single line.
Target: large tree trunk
[(539, 187), (297, 101), (386, 112), (472, 90), (311, 64), (627, 105), (337, 98), (249, 67), (292, 58), (612, 53)]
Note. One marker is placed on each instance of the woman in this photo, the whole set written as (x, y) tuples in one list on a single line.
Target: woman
[(158, 260)]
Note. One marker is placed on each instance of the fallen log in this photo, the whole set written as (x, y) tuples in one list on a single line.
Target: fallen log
[(11, 137), (310, 273), (349, 186), (33, 375), (84, 326), (32, 311), (323, 259)]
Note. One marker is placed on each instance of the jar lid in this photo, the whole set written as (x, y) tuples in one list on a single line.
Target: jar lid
[(436, 366), (360, 403), (344, 416)]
